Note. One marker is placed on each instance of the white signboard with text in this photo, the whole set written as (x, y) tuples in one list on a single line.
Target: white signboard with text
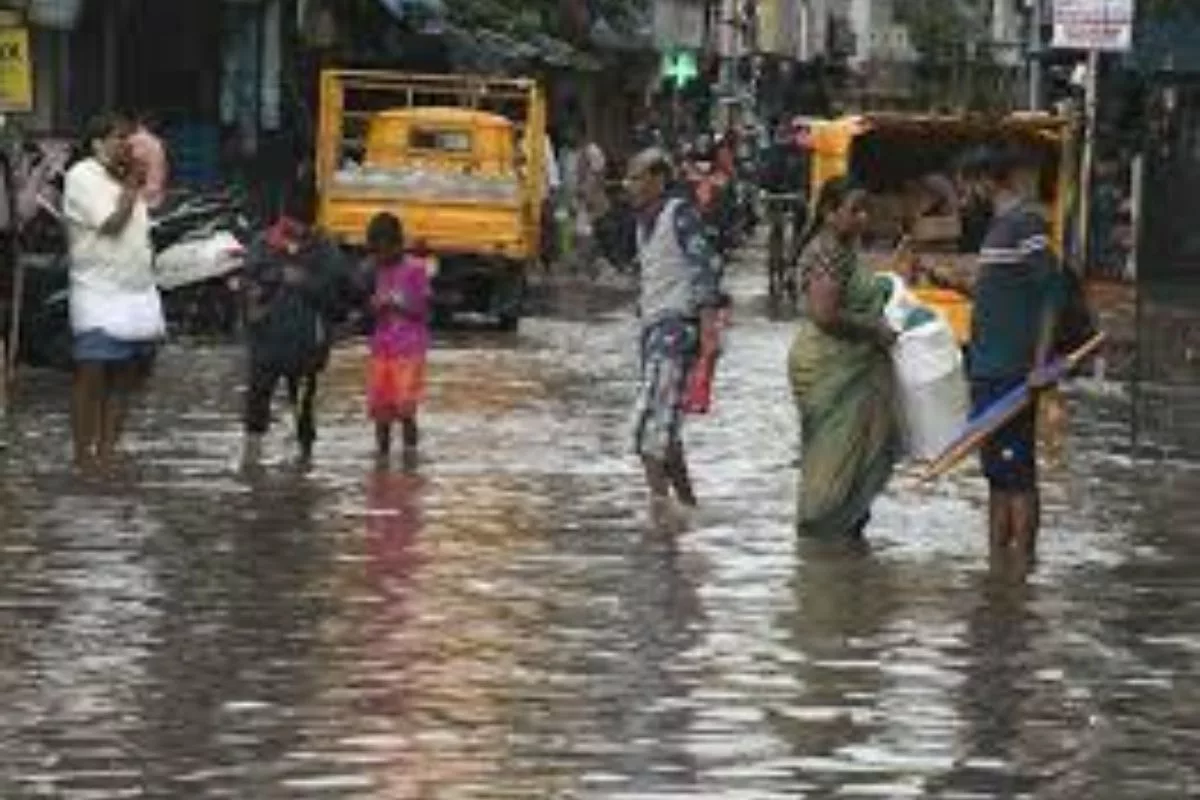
[(1093, 24)]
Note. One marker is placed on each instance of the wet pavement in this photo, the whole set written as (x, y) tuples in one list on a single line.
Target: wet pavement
[(499, 624)]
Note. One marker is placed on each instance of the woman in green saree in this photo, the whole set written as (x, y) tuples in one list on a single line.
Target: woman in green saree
[(841, 373)]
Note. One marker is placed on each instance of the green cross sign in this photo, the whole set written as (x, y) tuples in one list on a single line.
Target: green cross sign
[(680, 66)]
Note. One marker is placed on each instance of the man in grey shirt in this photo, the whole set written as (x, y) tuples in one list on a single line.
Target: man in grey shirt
[(680, 291)]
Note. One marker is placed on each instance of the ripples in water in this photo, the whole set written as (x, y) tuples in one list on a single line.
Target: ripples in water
[(499, 624)]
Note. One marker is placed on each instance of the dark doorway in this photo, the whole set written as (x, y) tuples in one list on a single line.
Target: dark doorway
[(1167, 394), (168, 57)]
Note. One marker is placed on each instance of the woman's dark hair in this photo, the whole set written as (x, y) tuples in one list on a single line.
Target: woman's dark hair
[(832, 196), (385, 231)]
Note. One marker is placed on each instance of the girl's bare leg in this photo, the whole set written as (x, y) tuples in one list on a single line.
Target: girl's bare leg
[(408, 427), (410, 432), (383, 439)]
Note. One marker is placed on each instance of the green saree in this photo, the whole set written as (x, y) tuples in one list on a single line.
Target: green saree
[(846, 397)]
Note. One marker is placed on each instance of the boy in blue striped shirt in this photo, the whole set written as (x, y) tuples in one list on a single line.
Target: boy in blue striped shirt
[(1018, 294)]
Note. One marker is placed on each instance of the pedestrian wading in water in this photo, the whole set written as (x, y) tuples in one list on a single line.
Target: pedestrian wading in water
[(841, 373), (1018, 294), (399, 307), (295, 281), (116, 312), (680, 292)]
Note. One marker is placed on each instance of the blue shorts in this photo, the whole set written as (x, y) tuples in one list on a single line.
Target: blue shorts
[(97, 346), (1009, 457)]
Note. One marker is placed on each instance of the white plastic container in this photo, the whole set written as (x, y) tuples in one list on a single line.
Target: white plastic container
[(901, 304), (933, 387)]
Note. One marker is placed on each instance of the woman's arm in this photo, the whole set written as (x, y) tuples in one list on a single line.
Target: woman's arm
[(824, 307)]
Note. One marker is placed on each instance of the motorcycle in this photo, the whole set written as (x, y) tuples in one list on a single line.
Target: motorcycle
[(199, 255)]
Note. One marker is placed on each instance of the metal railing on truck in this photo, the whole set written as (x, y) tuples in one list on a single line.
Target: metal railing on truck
[(349, 99)]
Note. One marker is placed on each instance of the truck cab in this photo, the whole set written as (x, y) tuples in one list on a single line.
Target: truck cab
[(448, 156)]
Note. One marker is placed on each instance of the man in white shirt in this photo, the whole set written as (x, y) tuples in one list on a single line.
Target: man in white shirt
[(678, 304), (116, 311)]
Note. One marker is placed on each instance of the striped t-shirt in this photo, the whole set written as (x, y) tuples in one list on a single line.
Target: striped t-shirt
[(1018, 280)]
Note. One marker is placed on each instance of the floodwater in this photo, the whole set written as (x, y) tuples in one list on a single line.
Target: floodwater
[(499, 624)]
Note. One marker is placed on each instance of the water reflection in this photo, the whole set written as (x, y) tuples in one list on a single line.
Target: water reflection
[(844, 600), (240, 601), (500, 624), (998, 695)]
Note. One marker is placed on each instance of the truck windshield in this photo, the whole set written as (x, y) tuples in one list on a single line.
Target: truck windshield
[(451, 141)]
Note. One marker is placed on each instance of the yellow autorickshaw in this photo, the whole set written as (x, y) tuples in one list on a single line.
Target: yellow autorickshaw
[(890, 152)]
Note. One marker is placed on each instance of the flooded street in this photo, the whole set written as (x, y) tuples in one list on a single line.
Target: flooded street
[(499, 624)]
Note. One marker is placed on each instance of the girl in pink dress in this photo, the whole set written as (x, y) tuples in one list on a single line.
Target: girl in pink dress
[(400, 339)]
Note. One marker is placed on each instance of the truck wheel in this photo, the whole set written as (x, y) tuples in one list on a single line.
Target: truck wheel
[(509, 300), (509, 323)]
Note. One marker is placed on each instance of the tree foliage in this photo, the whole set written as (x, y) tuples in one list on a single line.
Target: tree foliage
[(510, 16), (1164, 10), (940, 30), (567, 19)]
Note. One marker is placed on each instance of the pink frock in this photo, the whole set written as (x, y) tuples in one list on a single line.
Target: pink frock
[(400, 341)]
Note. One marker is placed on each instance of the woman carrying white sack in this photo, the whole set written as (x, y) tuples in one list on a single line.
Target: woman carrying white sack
[(928, 361), (116, 311)]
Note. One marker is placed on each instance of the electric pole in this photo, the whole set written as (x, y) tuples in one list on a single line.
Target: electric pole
[(1036, 82)]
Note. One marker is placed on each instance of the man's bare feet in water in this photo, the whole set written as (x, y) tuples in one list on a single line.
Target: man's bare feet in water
[(252, 452), (668, 515), (87, 467)]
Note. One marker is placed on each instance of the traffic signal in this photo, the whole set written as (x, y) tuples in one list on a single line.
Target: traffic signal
[(679, 67)]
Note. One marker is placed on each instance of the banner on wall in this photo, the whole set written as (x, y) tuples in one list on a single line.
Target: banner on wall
[(1093, 24), (16, 71)]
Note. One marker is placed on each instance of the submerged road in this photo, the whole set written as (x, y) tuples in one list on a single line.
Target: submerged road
[(499, 624)]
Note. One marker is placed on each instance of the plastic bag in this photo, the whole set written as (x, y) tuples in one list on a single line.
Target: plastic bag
[(698, 393)]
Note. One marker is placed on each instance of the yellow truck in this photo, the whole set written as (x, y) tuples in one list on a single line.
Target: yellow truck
[(460, 159)]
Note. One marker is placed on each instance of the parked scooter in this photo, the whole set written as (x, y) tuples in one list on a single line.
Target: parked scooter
[(199, 254)]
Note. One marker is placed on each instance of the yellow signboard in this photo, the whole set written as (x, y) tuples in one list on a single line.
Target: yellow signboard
[(16, 73)]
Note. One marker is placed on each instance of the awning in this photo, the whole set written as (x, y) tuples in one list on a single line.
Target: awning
[(405, 10), (606, 36), (557, 53), (488, 50)]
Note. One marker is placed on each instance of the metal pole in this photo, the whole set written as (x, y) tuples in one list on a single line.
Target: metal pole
[(1089, 157), (1036, 18), (12, 337), (16, 309), (1137, 189)]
